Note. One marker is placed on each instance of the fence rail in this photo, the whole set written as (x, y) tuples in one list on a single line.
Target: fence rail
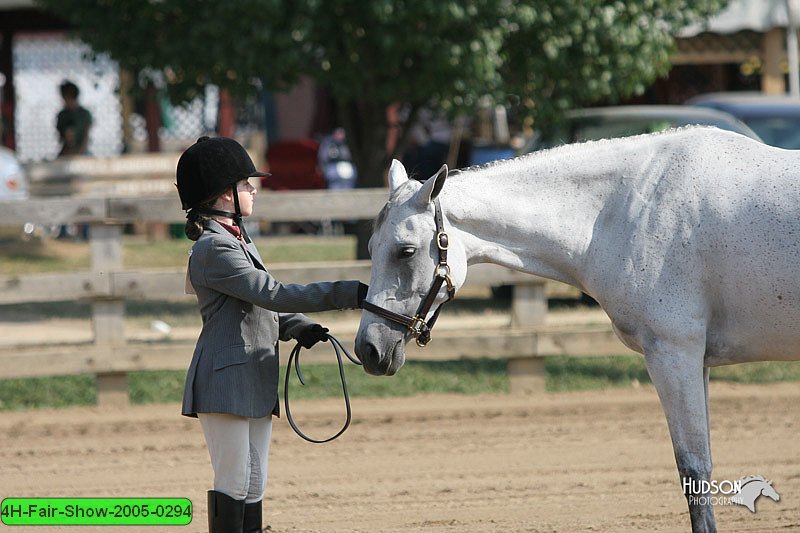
[(108, 285)]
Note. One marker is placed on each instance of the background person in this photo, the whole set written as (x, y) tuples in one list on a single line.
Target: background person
[(232, 383), (73, 122)]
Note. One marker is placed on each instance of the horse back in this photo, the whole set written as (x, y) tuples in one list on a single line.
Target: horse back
[(712, 237)]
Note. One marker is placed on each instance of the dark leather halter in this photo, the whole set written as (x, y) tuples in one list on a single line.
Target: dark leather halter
[(417, 326)]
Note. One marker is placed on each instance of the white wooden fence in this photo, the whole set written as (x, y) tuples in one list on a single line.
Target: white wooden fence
[(108, 284)]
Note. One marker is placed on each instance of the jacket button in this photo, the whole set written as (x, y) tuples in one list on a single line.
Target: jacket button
[(275, 318)]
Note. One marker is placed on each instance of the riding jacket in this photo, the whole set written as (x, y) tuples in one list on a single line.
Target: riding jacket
[(245, 313)]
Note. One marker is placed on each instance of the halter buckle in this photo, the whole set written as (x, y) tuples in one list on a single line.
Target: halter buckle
[(442, 241), (417, 326)]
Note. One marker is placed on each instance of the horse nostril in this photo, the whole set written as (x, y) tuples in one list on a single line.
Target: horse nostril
[(383, 366), (372, 361)]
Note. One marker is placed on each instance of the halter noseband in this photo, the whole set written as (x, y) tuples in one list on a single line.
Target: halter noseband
[(419, 328)]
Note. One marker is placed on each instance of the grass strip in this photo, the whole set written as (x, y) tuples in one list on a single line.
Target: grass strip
[(53, 255), (469, 377)]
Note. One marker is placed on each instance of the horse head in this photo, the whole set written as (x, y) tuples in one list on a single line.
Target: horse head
[(769, 491), (751, 488), (405, 257)]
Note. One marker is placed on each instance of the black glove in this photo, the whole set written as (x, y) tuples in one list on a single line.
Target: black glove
[(362, 293), (312, 335)]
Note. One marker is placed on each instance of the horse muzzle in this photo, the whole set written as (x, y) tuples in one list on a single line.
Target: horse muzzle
[(379, 357)]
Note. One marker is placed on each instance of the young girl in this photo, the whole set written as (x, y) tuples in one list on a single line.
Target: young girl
[(232, 383)]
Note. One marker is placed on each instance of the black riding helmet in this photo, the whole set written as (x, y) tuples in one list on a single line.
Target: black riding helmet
[(207, 168)]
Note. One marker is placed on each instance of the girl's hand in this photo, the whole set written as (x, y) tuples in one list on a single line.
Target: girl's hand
[(312, 335)]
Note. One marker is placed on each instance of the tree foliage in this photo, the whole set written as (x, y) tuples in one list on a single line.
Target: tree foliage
[(539, 55)]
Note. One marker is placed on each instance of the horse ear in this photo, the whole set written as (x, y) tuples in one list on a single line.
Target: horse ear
[(433, 186), (397, 175)]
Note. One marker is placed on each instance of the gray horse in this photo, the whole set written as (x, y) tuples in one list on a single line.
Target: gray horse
[(688, 239)]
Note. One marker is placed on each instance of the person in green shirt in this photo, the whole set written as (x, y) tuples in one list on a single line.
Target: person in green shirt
[(73, 122)]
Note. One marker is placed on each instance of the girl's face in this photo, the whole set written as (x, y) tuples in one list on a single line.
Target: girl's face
[(246, 197)]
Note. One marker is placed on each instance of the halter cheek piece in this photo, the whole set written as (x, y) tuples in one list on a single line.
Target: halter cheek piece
[(417, 326)]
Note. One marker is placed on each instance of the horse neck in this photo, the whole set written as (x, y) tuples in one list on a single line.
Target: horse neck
[(751, 490), (754, 486), (536, 213)]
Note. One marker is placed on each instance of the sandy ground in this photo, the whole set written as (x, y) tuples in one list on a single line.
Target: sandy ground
[(588, 461)]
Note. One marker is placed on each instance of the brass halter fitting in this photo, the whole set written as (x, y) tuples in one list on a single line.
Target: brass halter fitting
[(442, 241), (418, 327)]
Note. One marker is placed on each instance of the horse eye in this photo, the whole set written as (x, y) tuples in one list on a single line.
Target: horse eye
[(407, 251)]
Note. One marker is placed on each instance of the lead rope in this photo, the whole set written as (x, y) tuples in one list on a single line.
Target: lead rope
[(295, 355)]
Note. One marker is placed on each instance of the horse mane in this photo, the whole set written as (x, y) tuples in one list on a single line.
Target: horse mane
[(546, 152), (748, 479), (378, 221), (381, 217), (482, 166)]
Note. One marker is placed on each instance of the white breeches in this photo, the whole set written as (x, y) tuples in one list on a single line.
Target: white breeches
[(239, 450)]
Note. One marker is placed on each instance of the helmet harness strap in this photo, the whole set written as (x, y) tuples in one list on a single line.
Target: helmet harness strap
[(236, 217)]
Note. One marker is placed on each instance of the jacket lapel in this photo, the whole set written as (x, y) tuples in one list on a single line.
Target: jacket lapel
[(253, 251), (249, 249)]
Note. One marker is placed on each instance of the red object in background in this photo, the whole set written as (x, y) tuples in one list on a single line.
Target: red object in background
[(293, 165)]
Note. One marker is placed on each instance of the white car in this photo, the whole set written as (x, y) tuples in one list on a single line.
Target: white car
[(13, 181)]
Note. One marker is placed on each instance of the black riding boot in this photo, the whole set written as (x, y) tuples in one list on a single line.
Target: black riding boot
[(252, 517), (225, 515)]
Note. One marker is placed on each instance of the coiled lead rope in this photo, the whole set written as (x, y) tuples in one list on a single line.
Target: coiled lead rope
[(295, 355)]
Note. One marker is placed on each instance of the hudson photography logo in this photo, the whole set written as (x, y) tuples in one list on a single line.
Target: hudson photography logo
[(744, 491)]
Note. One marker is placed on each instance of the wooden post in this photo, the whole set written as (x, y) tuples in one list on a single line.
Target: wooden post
[(108, 313), (112, 389), (526, 373), (772, 79), (126, 83), (529, 306)]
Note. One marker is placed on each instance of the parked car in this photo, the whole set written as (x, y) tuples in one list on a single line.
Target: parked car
[(13, 180), (621, 121), (775, 118)]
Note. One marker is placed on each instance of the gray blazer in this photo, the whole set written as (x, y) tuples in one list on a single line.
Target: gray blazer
[(245, 312)]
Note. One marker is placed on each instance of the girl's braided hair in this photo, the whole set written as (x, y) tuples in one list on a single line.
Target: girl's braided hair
[(196, 221)]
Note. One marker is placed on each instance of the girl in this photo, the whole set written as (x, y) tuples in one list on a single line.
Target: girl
[(232, 383)]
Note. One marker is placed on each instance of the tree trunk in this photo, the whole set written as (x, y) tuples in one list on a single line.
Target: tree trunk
[(152, 117), (226, 119), (8, 98), (366, 130)]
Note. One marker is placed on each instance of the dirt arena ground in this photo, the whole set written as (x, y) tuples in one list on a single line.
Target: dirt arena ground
[(588, 461)]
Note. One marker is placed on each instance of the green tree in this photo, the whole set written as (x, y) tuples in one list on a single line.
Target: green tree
[(543, 56)]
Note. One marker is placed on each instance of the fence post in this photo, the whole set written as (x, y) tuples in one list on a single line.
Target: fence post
[(108, 312), (526, 372)]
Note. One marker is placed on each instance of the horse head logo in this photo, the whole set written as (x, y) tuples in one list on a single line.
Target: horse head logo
[(752, 488)]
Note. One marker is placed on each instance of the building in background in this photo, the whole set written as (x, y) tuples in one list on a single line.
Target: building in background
[(744, 48)]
